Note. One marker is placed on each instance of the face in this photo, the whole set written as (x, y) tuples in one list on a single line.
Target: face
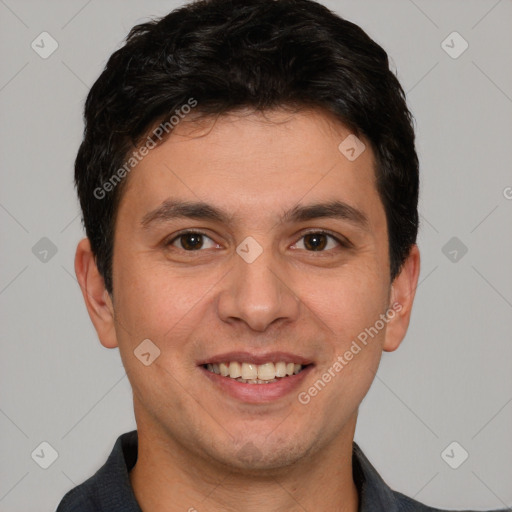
[(249, 246)]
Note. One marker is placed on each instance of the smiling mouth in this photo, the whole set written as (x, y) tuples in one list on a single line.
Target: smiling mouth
[(249, 373)]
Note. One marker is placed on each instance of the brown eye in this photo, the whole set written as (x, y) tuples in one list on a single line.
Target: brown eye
[(315, 241), (192, 241), (318, 242)]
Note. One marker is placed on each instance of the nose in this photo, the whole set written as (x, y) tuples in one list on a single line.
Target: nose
[(258, 294)]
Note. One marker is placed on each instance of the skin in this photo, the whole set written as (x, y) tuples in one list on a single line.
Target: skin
[(199, 448)]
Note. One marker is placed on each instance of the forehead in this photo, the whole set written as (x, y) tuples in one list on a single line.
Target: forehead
[(257, 163)]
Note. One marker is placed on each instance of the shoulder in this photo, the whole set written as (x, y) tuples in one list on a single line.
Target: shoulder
[(376, 496), (109, 489), (89, 496), (406, 504), (80, 499)]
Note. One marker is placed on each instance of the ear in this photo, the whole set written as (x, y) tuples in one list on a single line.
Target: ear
[(403, 290), (97, 300)]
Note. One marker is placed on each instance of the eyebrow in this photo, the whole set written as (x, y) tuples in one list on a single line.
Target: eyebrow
[(172, 209)]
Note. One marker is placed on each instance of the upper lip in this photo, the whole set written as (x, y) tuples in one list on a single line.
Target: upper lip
[(248, 357)]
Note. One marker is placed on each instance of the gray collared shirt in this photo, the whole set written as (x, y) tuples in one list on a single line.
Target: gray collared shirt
[(109, 489)]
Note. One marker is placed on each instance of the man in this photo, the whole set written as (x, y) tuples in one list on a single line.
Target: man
[(249, 186)]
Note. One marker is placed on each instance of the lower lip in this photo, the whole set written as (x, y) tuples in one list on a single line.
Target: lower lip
[(258, 393)]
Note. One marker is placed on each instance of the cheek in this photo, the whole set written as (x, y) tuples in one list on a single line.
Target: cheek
[(348, 311), (156, 302), (347, 302)]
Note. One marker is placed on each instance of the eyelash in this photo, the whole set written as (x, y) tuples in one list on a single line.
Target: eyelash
[(343, 242)]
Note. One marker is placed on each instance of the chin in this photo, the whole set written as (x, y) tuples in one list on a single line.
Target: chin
[(260, 456)]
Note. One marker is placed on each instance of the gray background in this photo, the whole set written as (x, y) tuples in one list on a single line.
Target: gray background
[(451, 379)]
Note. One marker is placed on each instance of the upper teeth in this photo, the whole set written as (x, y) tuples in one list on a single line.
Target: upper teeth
[(249, 371)]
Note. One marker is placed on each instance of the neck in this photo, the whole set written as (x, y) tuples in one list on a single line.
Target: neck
[(168, 477)]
